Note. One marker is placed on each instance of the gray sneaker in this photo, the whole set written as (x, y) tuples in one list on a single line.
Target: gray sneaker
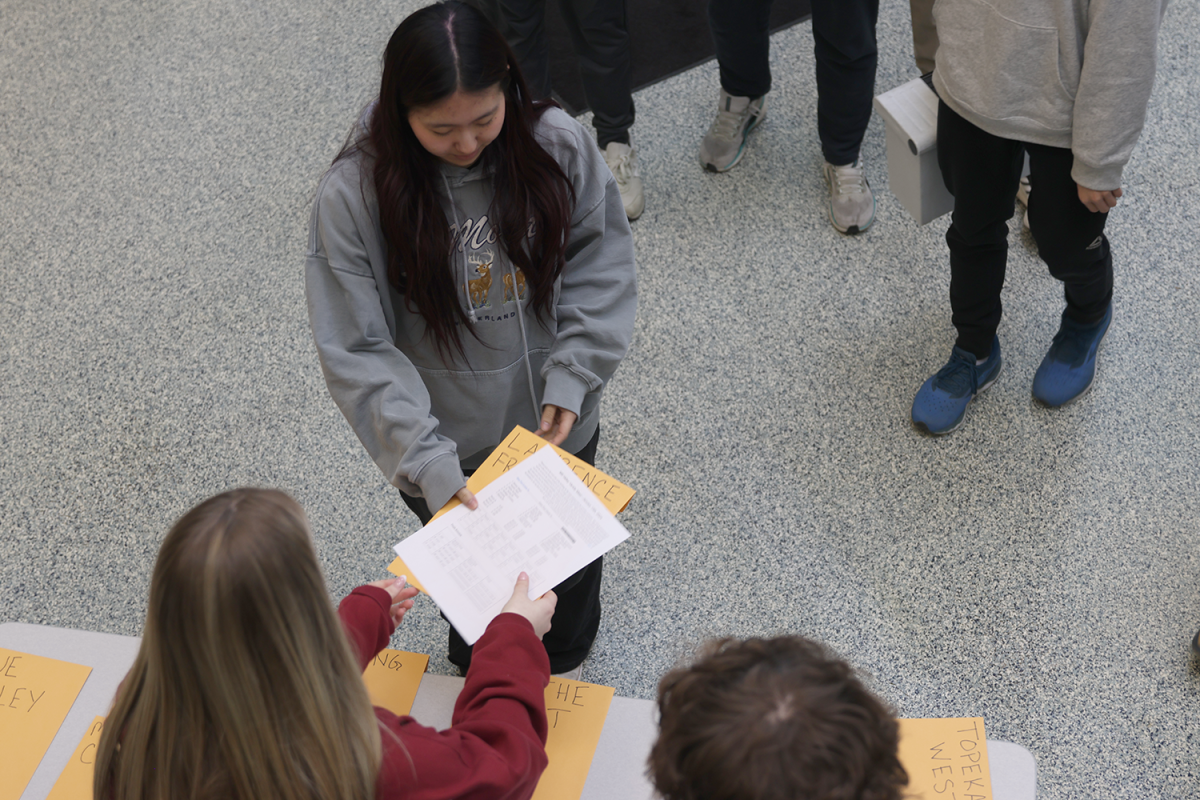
[(725, 141), (851, 203), (622, 161)]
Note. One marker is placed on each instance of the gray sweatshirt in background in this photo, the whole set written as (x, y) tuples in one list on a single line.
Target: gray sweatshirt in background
[(418, 416), (1074, 74)]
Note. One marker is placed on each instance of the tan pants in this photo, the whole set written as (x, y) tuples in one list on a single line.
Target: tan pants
[(925, 38)]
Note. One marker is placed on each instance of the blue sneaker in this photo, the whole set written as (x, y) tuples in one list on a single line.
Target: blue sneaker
[(941, 402), (1069, 367)]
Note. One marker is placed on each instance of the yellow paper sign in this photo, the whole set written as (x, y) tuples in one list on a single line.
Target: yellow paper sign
[(946, 759), (575, 713), (392, 679), (35, 695), (75, 783), (519, 445)]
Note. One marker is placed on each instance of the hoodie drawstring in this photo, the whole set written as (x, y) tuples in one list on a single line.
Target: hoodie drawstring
[(537, 412), (462, 246)]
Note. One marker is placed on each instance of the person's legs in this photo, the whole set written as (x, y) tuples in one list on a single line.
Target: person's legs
[(1071, 241), (844, 45), (740, 29), (981, 171), (577, 615), (846, 56), (600, 36), (524, 27), (741, 32), (1070, 238)]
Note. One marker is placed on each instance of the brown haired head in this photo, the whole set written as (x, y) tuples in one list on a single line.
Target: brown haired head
[(245, 685), (773, 719)]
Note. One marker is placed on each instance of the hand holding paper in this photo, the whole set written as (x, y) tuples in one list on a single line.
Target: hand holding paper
[(467, 498), (538, 517), (556, 424), (538, 612)]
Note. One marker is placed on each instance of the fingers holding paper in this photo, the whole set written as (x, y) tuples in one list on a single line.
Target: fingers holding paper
[(402, 596), (465, 497), (538, 612), (556, 424)]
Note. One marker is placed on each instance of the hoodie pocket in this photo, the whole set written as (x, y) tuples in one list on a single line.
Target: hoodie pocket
[(1005, 66)]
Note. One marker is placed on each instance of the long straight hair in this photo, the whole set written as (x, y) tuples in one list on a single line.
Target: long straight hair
[(435, 52), (245, 686)]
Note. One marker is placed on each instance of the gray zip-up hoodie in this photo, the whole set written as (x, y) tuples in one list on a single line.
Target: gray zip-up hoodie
[(1074, 74), (419, 416)]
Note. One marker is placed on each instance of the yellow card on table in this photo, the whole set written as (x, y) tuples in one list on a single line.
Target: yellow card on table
[(392, 679), (946, 759), (575, 713), (516, 447), (75, 783), (35, 695)]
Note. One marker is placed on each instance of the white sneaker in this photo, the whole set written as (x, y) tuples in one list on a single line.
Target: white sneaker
[(622, 160), (851, 202), (725, 142), (1023, 198)]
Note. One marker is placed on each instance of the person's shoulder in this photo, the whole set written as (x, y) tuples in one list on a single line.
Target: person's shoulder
[(558, 131), (344, 186), (345, 173)]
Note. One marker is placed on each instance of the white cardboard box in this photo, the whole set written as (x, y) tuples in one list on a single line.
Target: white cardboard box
[(910, 117)]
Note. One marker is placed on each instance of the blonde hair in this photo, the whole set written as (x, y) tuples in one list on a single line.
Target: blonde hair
[(245, 685)]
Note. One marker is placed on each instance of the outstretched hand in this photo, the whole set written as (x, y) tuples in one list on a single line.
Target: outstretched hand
[(538, 612), (402, 596), (556, 424)]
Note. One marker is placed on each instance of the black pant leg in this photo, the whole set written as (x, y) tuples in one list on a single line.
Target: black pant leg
[(982, 172), (741, 31), (524, 27), (577, 615), (600, 35), (1069, 236), (418, 506), (846, 56)]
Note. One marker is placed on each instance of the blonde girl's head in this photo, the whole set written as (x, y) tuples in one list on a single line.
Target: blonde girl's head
[(245, 686)]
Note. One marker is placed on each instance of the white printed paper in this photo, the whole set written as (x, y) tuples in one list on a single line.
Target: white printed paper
[(537, 518)]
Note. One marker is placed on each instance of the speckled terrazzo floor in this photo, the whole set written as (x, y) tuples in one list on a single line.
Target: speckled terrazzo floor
[(1038, 567)]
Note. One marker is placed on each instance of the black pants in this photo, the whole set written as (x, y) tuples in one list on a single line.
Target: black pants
[(577, 615), (981, 171), (600, 36), (844, 44)]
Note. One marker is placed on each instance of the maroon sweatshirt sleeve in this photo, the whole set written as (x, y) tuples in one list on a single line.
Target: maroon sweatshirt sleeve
[(495, 747), (366, 618)]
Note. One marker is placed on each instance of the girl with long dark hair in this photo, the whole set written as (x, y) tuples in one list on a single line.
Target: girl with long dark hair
[(470, 268)]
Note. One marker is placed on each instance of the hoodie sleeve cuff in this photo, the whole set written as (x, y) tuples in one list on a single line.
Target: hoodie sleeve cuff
[(565, 390), (440, 480), (1100, 179)]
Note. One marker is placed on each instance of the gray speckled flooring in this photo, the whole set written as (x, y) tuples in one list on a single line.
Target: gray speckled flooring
[(1038, 567)]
